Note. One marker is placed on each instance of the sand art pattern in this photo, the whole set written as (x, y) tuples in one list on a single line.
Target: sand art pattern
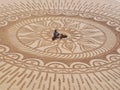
[(88, 59)]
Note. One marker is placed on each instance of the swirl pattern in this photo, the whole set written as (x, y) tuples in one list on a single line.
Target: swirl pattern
[(88, 59), (84, 40)]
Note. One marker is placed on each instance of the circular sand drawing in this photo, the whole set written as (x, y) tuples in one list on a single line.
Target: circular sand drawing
[(88, 59), (84, 39)]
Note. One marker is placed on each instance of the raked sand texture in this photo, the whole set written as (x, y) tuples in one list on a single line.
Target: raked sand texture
[(88, 59)]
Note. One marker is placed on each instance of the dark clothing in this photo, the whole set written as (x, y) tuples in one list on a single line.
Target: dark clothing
[(56, 34)]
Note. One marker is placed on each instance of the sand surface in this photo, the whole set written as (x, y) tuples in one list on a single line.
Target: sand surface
[(88, 59)]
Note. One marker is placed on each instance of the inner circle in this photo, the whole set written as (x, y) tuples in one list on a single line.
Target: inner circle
[(84, 39)]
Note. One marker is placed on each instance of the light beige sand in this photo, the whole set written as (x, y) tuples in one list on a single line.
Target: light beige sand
[(88, 59)]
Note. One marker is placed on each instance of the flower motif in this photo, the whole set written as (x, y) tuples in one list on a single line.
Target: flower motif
[(82, 37)]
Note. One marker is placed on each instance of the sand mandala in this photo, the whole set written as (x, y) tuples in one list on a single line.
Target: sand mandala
[(84, 40), (88, 59)]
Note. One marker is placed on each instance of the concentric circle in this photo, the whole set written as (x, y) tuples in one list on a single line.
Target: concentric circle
[(88, 59), (84, 39)]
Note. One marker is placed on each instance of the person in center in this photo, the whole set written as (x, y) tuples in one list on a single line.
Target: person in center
[(57, 35)]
